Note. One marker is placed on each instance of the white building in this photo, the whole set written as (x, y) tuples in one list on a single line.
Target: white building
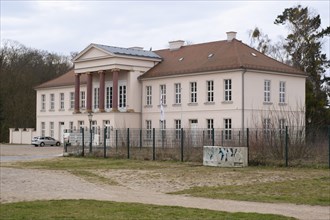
[(223, 84)]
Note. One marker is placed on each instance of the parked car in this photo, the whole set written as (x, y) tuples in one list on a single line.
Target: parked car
[(42, 141)]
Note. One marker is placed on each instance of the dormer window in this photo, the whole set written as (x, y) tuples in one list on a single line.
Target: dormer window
[(210, 55), (181, 59)]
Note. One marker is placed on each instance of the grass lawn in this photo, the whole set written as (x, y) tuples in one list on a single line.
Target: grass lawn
[(91, 209), (261, 184)]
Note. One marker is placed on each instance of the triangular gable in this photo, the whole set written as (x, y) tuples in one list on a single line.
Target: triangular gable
[(92, 52)]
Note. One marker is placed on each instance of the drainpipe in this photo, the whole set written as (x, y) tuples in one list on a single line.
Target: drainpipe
[(243, 107)]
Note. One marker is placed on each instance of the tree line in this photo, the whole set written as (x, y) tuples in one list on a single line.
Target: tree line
[(23, 68)]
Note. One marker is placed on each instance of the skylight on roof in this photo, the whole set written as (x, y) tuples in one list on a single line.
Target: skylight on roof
[(181, 59), (210, 55), (253, 54)]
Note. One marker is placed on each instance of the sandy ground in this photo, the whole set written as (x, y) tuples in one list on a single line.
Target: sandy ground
[(29, 184)]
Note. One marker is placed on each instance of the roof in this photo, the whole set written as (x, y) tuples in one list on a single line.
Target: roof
[(128, 51), (67, 79), (215, 56)]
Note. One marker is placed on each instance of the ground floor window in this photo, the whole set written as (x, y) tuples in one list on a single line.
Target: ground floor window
[(227, 122), (149, 129)]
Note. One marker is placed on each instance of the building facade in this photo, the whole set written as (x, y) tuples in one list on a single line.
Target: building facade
[(223, 84)]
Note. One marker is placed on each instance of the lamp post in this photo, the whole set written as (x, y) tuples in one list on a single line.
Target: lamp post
[(90, 117)]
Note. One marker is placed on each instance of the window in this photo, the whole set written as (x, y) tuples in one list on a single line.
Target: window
[(163, 94), (96, 97), (71, 126), (177, 129), (149, 95), (81, 125), (122, 96), (106, 124), (51, 129), (43, 129), (282, 92), (52, 101), (177, 93), (82, 99), (266, 127), (267, 91), (149, 129), (210, 91), (94, 128), (228, 90), (209, 128), (43, 102), (108, 99), (71, 100), (193, 92), (62, 101), (282, 126), (227, 122)]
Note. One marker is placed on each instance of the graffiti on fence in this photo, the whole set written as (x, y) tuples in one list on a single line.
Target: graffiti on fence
[(225, 156)]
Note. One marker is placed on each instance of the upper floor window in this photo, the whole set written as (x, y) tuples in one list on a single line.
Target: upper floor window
[(282, 92), (43, 102), (96, 97), (108, 97), (177, 87), (52, 101), (71, 100), (62, 101), (122, 96), (82, 99), (193, 92), (228, 91), (267, 91), (210, 91), (163, 94), (149, 95)]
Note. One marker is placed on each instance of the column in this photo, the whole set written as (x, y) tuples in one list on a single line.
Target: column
[(115, 90), (77, 93), (89, 91), (102, 91)]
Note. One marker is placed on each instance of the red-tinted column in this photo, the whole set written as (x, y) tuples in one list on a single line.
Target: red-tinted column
[(77, 93), (115, 89), (102, 91), (89, 91)]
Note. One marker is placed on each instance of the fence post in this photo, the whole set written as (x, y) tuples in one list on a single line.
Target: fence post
[(83, 141), (248, 144), (140, 139), (181, 144), (153, 144), (127, 143), (212, 136), (286, 146), (105, 142)]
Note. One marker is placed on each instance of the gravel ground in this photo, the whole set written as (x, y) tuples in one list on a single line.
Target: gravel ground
[(31, 184)]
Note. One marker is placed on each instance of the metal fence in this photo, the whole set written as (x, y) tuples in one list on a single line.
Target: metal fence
[(290, 147)]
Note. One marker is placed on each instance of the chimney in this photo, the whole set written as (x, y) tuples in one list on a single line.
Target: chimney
[(175, 45), (231, 35)]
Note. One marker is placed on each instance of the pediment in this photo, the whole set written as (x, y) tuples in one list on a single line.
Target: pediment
[(92, 53)]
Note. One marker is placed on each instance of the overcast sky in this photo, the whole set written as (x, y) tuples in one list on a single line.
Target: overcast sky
[(70, 26)]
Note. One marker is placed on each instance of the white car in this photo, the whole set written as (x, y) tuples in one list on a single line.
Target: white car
[(42, 141)]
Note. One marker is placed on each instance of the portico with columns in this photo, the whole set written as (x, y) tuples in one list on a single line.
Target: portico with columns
[(113, 91)]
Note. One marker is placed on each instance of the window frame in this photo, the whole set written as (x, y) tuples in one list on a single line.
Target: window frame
[(193, 92), (177, 91), (227, 128), (267, 91), (282, 92), (148, 95), (210, 90), (228, 90)]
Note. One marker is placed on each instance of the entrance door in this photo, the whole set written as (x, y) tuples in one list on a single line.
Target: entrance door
[(61, 132)]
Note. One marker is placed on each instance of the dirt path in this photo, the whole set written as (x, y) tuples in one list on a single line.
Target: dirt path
[(30, 184)]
